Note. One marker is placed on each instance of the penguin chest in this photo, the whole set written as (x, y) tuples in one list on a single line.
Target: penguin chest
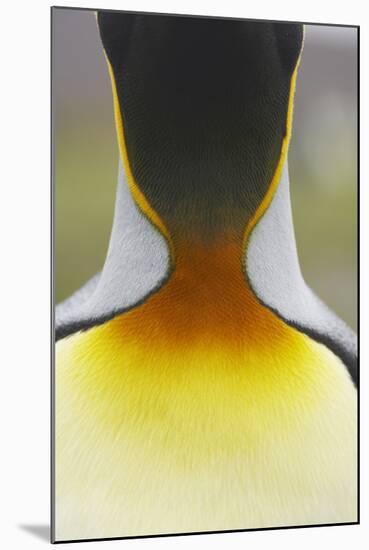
[(154, 439)]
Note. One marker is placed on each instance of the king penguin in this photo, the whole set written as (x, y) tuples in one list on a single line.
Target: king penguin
[(200, 385)]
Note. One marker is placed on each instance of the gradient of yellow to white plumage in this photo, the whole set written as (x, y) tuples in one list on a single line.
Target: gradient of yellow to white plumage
[(150, 441), (201, 410)]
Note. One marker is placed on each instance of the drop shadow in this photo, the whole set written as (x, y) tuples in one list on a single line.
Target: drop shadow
[(40, 531)]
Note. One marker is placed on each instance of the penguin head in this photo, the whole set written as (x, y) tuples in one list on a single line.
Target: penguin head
[(204, 106)]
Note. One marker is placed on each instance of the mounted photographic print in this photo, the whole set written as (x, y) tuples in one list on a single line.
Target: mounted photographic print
[(205, 372)]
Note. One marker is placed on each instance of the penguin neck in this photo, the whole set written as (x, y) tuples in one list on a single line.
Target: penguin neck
[(196, 252), (206, 295)]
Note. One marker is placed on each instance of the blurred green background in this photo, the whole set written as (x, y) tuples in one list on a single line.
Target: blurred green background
[(322, 158)]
